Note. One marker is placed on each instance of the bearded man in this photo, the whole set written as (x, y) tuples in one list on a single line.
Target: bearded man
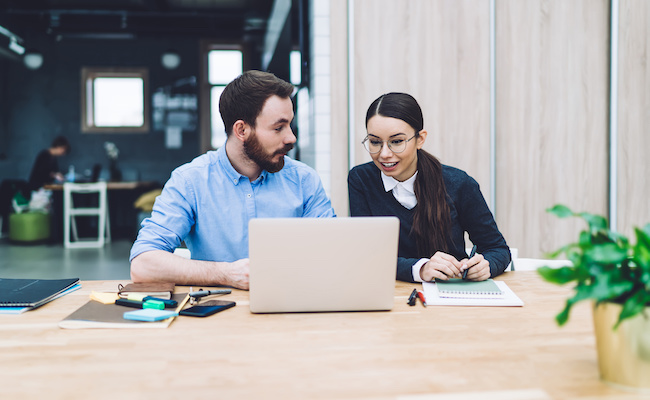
[(208, 202)]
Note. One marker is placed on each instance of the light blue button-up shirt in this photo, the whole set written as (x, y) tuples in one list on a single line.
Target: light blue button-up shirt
[(208, 204)]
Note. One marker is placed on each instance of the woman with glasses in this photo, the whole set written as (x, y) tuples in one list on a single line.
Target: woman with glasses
[(436, 203)]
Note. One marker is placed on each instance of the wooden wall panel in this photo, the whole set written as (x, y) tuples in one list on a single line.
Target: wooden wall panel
[(633, 192), (339, 106), (437, 51), (552, 117)]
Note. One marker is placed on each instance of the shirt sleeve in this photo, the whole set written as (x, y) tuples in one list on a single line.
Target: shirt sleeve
[(172, 218), (317, 204)]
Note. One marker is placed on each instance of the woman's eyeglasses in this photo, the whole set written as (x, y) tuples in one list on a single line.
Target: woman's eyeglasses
[(396, 145)]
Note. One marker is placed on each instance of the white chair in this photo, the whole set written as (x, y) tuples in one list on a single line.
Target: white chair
[(183, 252), (70, 212), (531, 264)]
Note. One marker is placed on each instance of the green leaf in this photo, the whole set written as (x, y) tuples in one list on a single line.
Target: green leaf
[(646, 229), (563, 316), (560, 211), (607, 287), (585, 239), (642, 250), (606, 253), (633, 306), (596, 222), (559, 276), (618, 238), (643, 237)]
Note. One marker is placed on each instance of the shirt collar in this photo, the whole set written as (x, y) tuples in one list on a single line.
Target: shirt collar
[(231, 172), (390, 183)]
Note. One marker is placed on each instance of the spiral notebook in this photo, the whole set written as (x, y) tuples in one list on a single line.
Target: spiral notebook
[(32, 293), (460, 289), (509, 299)]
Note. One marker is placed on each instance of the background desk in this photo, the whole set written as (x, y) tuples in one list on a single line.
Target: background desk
[(373, 355), (123, 216)]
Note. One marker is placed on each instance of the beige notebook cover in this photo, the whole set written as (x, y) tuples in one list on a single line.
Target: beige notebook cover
[(97, 315)]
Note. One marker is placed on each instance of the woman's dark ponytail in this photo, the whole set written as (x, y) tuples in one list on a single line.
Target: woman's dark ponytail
[(431, 219)]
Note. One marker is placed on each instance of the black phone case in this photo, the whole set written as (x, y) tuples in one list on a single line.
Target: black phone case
[(207, 310)]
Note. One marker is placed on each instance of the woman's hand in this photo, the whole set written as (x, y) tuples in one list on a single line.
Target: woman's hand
[(441, 266), (477, 266)]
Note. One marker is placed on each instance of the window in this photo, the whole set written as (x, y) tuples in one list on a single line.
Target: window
[(223, 66), (114, 100)]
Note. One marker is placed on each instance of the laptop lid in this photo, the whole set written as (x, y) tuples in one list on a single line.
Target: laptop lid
[(322, 264)]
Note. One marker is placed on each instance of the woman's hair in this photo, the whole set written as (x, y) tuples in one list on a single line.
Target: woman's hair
[(431, 219)]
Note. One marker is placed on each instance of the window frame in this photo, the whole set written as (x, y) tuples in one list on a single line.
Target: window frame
[(89, 74), (205, 104)]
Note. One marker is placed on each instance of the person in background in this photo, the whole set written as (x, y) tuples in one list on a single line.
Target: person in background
[(46, 168), (208, 202), (436, 204)]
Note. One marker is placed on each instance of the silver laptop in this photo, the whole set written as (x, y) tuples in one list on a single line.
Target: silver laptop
[(322, 264)]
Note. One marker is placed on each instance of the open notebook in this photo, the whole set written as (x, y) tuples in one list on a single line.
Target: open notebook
[(508, 299), (458, 288)]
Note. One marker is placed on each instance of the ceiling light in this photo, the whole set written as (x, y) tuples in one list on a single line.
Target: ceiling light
[(170, 60), (33, 60)]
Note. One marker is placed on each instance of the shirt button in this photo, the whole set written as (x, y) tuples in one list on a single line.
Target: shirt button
[(248, 195), (234, 181)]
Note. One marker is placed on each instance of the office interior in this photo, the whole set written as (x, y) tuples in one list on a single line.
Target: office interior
[(543, 102)]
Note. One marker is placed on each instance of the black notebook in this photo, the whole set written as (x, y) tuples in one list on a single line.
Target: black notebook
[(32, 292)]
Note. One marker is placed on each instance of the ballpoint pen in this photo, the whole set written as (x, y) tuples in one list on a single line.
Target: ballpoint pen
[(195, 297), (412, 297), (471, 254), (421, 296), (203, 293)]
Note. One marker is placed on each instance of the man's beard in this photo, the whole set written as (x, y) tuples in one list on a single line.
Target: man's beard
[(256, 152)]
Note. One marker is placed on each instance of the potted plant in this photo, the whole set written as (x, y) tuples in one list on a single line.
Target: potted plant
[(615, 274)]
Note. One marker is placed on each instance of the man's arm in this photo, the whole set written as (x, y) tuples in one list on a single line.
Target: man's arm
[(162, 266)]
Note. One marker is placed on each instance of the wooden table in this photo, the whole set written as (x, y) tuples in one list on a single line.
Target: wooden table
[(407, 353)]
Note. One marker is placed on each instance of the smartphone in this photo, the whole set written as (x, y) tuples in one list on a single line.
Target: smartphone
[(208, 308)]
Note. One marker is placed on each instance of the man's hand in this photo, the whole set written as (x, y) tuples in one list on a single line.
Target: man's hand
[(236, 274)]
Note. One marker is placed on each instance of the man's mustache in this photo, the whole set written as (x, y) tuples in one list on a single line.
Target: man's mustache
[(287, 148)]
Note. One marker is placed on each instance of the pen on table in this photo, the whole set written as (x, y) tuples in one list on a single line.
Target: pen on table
[(421, 296), (471, 254), (412, 297), (203, 293)]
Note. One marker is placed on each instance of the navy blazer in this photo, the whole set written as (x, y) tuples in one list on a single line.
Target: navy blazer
[(468, 209)]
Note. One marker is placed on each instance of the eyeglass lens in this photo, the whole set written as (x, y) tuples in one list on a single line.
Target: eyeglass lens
[(374, 145)]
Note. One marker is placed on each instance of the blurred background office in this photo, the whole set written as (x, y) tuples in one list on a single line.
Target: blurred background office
[(542, 101)]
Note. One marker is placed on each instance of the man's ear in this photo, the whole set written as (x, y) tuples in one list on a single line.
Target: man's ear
[(240, 130)]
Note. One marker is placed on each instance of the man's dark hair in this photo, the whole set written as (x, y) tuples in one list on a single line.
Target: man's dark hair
[(61, 141), (244, 98)]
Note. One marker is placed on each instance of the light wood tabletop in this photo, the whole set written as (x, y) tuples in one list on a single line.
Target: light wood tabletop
[(407, 353)]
